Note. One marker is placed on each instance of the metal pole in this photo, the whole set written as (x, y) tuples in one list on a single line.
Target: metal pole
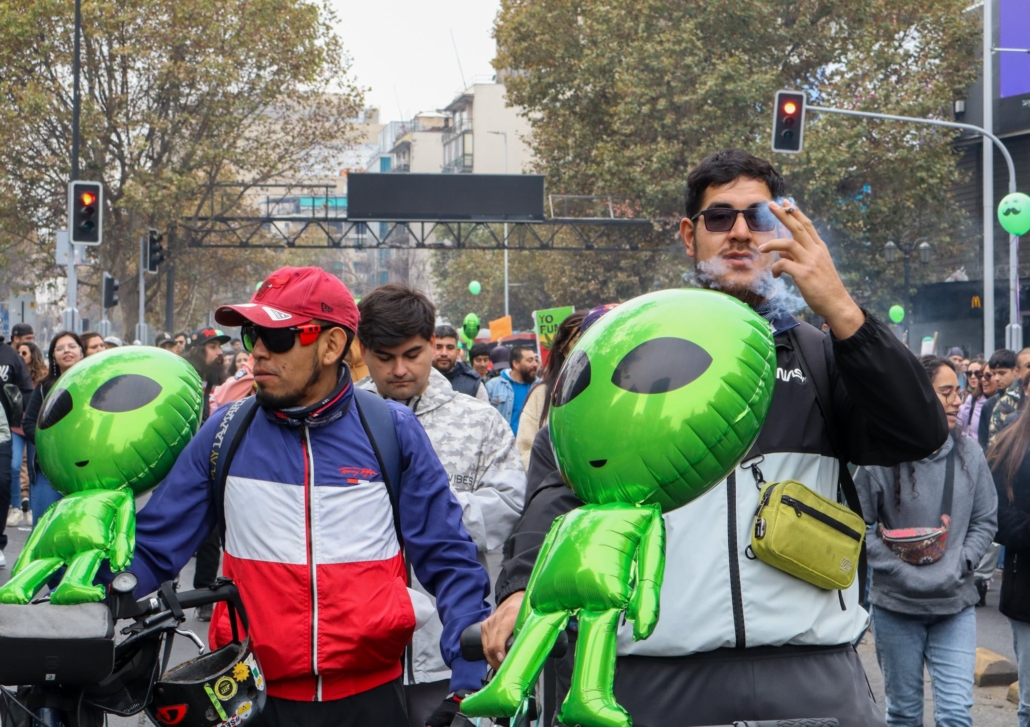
[(141, 330), (1014, 330), (170, 282), (504, 135), (987, 170), (76, 96), (908, 313)]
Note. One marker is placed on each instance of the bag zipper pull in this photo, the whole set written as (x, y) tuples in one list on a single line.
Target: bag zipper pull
[(792, 503)]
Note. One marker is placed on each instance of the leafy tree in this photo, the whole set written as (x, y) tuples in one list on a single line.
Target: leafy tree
[(625, 97), (179, 98)]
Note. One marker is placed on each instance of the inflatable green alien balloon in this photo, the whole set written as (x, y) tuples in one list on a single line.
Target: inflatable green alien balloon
[(657, 403), (110, 428)]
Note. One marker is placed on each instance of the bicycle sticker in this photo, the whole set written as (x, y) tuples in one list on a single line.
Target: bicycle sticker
[(214, 701), (259, 681), (225, 688)]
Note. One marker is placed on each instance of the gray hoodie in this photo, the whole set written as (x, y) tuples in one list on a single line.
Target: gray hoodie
[(945, 587)]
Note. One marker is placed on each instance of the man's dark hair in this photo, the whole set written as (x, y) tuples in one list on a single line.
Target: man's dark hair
[(1002, 359), (446, 332), (725, 166), (235, 340), (517, 352), (393, 313), (479, 349)]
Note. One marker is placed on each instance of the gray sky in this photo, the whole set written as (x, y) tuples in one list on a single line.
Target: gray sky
[(402, 49)]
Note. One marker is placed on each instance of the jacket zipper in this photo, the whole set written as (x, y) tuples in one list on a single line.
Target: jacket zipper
[(310, 485), (800, 507), (735, 590)]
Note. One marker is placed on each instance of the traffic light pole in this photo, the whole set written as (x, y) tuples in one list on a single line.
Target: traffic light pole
[(141, 327), (1014, 330)]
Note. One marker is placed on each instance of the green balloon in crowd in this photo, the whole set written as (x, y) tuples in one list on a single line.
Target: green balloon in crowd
[(896, 313), (110, 429), (1014, 213), (475, 288), (658, 402)]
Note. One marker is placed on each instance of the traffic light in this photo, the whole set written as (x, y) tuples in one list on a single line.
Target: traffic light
[(85, 213), (789, 122), (110, 291), (155, 252)]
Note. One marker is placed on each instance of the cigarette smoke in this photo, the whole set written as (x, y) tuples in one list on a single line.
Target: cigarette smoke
[(768, 295)]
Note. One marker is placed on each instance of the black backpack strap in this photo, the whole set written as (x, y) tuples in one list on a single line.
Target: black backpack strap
[(810, 345), (235, 421), (377, 421)]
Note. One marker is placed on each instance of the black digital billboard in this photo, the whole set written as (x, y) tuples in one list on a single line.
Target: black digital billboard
[(446, 197)]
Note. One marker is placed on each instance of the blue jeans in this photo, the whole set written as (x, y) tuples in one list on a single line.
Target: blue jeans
[(42, 496), (17, 451), (1021, 642), (946, 645)]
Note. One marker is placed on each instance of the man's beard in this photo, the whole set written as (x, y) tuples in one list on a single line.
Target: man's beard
[(291, 399), (440, 363), (214, 373)]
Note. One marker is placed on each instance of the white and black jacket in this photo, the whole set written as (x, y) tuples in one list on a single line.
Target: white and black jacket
[(884, 411)]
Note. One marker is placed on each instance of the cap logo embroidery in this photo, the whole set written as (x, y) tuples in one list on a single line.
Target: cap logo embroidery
[(269, 283), (326, 308), (276, 315)]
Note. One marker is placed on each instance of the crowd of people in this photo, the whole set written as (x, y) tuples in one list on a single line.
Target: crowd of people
[(387, 487)]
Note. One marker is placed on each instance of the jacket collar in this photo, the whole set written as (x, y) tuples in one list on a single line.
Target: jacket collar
[(438, 392), (323, 412)]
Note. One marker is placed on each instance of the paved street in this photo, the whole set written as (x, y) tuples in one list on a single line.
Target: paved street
[(991, 709)]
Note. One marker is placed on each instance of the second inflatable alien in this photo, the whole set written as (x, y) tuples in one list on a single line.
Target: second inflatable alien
[(110, 428), (657, 403)]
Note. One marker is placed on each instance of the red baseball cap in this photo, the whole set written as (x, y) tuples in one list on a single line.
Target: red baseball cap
[(292, 296)]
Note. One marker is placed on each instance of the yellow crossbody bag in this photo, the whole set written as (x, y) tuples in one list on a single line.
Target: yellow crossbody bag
[(806, 535)]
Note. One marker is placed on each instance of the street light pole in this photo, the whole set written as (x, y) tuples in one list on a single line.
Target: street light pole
[(988, 175), (504, 135), (890, 252), (1014, 331)]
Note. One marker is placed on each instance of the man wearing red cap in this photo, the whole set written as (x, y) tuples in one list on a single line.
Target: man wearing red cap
[(310, 535)]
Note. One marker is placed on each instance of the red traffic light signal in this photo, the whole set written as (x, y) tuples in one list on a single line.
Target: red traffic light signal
[(789, 122), (85, 213)]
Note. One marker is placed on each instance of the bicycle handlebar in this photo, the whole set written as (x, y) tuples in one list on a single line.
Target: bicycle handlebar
[(472, 644), (802, 722)]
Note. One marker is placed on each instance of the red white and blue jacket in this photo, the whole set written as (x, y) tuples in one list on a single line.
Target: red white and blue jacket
[(310, 542)]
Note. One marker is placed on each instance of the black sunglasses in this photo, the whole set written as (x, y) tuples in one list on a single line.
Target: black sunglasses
[(278, 340), (722, 219)]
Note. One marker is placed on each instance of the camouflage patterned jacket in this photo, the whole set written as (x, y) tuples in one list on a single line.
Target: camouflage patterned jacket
[(477, 448), (1007, 406)]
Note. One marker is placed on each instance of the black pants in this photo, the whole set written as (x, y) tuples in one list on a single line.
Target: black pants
[(208, 555), (423, 699), (765, 683), (382, 706)]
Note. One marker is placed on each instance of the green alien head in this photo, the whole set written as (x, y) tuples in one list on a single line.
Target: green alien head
[(118, 418), (470, 326), (662, 398)]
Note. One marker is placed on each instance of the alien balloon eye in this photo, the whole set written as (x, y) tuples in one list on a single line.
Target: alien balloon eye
[(573, 379), (661, 365), (57, 406), (125, 393)]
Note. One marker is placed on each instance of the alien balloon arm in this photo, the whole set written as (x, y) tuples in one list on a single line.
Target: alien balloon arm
[(124, 534), (643, 604), (541, 560), (28, 553)]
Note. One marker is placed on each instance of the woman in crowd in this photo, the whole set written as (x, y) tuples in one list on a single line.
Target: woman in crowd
[(1009, 457), (534, 413), (65, 351), (33, 359), (92, 342), (969, 412), (930, 522)]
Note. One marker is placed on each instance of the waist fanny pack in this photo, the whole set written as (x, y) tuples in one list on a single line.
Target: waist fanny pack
[(807, 535), (922, 546)]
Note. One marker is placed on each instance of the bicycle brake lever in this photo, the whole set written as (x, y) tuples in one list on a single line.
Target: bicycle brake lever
[(192, 637)]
